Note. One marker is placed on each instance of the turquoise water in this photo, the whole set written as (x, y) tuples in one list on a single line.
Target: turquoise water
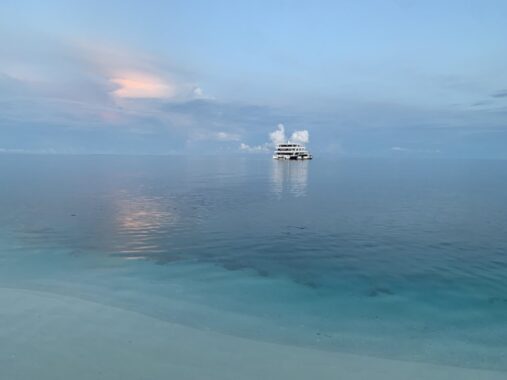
[(394, 259)]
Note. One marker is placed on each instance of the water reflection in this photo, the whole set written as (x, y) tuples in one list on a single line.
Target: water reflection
[(289, 176), (141, 221)]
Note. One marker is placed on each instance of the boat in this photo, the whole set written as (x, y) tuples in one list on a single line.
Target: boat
[(291, 151)]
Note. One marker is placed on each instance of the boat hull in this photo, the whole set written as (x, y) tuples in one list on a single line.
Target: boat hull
[(296, 158)]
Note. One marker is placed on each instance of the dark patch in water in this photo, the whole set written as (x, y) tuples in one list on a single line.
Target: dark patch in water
[(308, 283), (39, 230), (262, 273), (298, 227), (375, 292), (165, 260), (233, 265), (496, 300)]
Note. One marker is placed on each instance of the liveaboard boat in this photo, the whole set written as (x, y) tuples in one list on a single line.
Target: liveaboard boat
[(291, 151)]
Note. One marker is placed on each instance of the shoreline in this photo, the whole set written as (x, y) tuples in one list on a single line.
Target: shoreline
[(51, 336)]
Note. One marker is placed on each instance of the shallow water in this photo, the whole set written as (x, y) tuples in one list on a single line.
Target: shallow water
[(394, 259)]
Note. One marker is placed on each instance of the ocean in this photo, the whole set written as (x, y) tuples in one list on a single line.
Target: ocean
[(393, 259)]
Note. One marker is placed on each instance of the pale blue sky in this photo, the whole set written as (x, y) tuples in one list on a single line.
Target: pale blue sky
[(365, 78)]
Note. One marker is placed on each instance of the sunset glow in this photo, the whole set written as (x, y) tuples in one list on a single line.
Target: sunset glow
[(140, 85)]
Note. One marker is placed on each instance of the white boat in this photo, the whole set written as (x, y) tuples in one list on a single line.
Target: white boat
[(291, 151)]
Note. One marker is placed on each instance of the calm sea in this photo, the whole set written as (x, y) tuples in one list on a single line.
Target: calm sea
[(402, 259)]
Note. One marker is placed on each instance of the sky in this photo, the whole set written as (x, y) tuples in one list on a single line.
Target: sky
[(394, 78)]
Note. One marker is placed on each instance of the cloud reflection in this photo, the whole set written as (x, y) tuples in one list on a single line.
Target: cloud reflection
[(141, 222)]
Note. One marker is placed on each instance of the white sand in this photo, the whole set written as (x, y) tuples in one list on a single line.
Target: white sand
[(47, 336)]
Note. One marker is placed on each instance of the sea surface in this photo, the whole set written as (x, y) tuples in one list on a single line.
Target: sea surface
[(398, 259)]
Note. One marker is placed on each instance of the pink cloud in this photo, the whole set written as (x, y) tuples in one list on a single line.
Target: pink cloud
[(140, 85)]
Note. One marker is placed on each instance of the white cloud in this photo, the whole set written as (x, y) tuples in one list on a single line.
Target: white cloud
[(278, 136), (225, 136), (28, 151), (198, 92), (424, 151), (203, 135), (253, 149), (300, 137)]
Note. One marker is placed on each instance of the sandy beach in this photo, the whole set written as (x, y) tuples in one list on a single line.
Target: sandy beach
[(57, 337)]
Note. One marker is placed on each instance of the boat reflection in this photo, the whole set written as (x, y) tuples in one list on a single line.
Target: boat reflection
[(289, 176)]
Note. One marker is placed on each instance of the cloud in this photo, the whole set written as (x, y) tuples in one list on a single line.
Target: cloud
[(52, 91), (399, 149), (415, 151), (26, 151), (148, 85), (253, 149), (482, 103), (68, 96), (225, 136), (198, 92), (141, 85), (206, 135), (91, 72), (278, 136), (300, 137), (500, 94)]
